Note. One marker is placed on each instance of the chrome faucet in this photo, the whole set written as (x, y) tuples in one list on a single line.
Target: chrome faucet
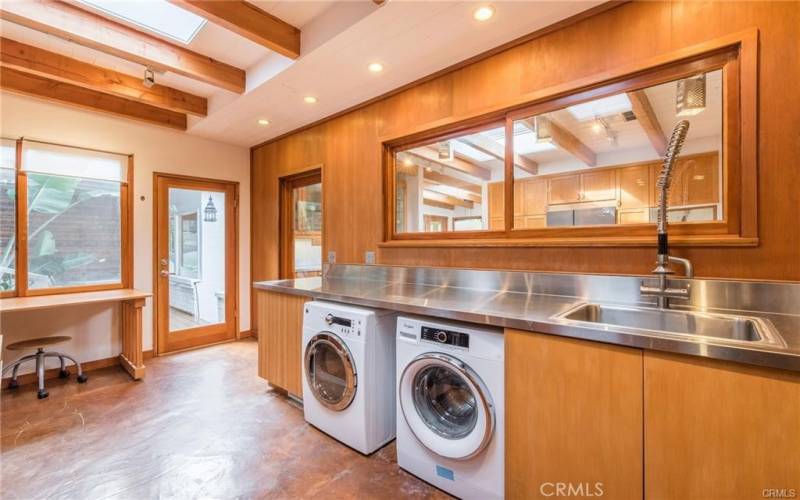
[(662, 290)]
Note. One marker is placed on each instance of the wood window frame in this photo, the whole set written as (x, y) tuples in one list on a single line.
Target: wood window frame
[(287, 184), (21, 235), (736, 55)]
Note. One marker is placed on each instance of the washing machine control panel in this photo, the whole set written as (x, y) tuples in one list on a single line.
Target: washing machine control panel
[(344, 326), (447, 337)]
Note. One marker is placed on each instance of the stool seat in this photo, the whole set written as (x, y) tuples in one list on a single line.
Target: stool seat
[(37, 342)]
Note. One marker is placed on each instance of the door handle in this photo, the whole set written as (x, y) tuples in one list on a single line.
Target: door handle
[(164, 273)]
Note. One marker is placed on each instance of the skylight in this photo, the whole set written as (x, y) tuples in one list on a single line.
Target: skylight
[(601, 107), (158, 16)]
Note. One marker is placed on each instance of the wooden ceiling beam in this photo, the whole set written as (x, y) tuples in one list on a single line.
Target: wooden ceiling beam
[(566, 141), (438, 204), (431, 155), (66, 93), (30, 59), (491, 148), (452, 181), (648, 120), (247, 20), (94, 31), (442, 188), (446, 198)]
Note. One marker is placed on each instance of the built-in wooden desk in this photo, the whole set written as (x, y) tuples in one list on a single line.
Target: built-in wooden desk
[(131, 302)]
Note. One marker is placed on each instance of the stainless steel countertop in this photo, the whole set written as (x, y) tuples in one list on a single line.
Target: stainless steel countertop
[(516, 300)]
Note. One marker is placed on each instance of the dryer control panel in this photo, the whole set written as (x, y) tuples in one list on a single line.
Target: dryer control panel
[(447, 337)]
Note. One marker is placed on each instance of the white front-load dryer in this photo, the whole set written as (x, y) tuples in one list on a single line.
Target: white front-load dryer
[(348, 360), (450, 387)]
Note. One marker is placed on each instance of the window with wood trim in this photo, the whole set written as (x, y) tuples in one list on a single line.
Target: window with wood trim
[(581, 166), (65, 219)]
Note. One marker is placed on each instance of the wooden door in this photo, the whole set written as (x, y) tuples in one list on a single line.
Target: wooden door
[(573, 415), (719, 430), (195, 262), (301, 230), (634, 187), (564, 189), (598, 186)]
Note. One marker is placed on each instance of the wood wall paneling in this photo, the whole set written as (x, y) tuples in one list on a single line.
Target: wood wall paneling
[(350, 145)]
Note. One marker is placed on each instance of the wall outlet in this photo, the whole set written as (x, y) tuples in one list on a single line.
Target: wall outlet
[(369, 257), (331, 257)]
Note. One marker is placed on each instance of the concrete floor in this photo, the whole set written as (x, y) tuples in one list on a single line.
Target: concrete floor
[(200, 425)]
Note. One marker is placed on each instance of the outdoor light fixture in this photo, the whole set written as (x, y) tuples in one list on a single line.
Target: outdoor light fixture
[(690, 98), (210, 212), (445, 150)]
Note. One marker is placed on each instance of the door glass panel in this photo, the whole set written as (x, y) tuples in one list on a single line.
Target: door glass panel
[(445, 402), (196, 261), (308, 231), (328, 373)]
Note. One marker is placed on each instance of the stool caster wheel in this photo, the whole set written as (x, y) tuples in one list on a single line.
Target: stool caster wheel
[(13, 384), (42, 394), (82, 378), (63, 374)]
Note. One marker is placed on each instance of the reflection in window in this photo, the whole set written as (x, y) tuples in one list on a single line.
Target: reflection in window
[(8, 215), (452, 184), (597, 162), (308, 230)]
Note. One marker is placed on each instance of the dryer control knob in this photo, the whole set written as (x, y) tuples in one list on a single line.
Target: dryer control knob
[(441, 336)]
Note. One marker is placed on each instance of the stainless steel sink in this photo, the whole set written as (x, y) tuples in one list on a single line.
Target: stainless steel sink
[(711, 327)]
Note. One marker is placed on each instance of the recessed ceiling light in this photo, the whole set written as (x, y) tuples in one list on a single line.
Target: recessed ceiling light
[(263, 122), (376, 67), (483, 13), (310, 99)]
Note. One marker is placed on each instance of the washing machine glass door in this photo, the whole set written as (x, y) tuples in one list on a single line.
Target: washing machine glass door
[(447, 406), (330, 371)]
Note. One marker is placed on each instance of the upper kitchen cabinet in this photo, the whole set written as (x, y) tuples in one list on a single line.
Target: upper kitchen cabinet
[(583, 164)]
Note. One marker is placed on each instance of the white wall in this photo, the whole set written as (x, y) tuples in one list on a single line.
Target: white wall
[(94, 328)]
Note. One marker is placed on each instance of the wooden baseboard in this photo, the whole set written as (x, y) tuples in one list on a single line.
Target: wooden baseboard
[(244, 334), (51, 373)]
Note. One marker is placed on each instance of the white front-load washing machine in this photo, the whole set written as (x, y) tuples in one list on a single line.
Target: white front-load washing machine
[(450, 386), (349, 373)]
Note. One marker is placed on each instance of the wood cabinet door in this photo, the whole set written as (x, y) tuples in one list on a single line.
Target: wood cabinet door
[(719, 430), (535, 221), (633, 215), (535, 197), (702, 180), (573, 415), (564, 189), (634, 187), (598, 186), (280, 337), (496, 201)]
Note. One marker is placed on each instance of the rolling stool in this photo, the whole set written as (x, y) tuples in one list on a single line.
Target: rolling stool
[(40, 355)]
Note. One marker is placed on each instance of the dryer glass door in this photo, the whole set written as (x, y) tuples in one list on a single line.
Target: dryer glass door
[(330, 371), (447, 406)]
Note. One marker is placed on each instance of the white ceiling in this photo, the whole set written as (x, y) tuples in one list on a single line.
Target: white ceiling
[(411, 38)]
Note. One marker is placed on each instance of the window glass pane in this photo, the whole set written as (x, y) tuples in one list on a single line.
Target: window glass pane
[(73, 162), (74, 231), (8, 227), (451, 185), (597, 162), (308, 231)]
